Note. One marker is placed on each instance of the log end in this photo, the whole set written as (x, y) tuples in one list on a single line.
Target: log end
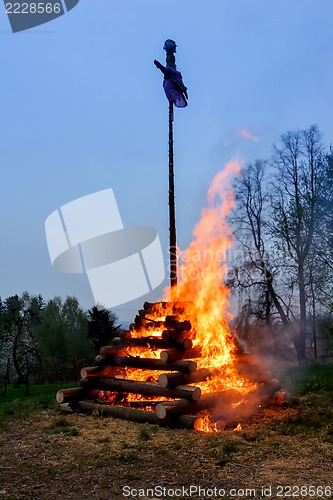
[(163, 380), (67, 395), (192, 366), (60, 397), (104, 351), (188, 344), (195, 394), (160, 411), (164, 355), (165, 335), (99, 360)]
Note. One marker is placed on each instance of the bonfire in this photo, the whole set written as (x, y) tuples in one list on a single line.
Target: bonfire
[(179, 364)]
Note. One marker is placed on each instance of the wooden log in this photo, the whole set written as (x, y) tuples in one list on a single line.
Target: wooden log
[(72, 394), (172, 355), (146, 388), (91, 370), (148, 306), (162, 306), (140, 322), (116, 341), (111, 350), (171, 322), (152, 364), (148, 326), (93, 395), (180, 378), (177, 334), (102, 371), (168, 334), (150, 342), (84, 382), (209, 401), (100, 360), (142, 416), (171, 319), (125, 334), (164, 410)]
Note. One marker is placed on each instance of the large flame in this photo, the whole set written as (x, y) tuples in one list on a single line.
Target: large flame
[(201, 283)]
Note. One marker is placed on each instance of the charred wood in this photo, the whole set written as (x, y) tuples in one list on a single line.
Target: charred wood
[(149, 324), (172, 322)]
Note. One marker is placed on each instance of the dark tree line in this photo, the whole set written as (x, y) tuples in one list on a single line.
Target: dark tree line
[(284, 223), (50, 341)]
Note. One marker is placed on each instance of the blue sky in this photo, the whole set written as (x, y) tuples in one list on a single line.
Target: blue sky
[(83, 109)]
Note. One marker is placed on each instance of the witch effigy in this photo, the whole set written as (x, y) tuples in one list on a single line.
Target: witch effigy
[(173, 84)]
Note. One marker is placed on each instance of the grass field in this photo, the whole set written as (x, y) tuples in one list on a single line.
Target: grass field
[(16, 405), (48, 454)]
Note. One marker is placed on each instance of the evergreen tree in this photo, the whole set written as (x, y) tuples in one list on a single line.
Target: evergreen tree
[(101, 326)]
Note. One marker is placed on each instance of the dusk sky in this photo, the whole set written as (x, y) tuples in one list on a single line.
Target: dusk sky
[(83, 109)]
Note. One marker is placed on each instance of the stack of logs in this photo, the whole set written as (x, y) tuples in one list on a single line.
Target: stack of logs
[(168, 399)]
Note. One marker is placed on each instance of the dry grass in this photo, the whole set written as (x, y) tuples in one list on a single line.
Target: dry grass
[(56, 455)]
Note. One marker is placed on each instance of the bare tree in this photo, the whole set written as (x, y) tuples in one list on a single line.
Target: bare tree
[(283, 222), (298, 200), (255, 275)]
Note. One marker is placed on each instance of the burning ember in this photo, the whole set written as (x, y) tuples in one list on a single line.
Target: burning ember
[(179, 364)]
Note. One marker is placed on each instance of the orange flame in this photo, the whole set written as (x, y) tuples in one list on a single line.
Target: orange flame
[(204, 424), (201, 283)]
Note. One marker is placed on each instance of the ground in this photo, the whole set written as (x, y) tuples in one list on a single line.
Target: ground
[(52, 454)]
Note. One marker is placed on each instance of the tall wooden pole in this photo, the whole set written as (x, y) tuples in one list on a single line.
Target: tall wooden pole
[(176, 92), (172, 209)]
